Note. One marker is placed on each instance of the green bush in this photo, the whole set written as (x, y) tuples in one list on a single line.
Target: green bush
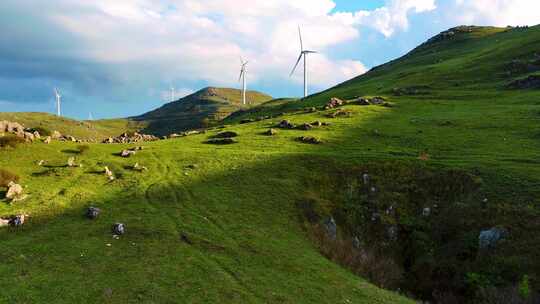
[(6, 177), (524, 288), (10, 141)]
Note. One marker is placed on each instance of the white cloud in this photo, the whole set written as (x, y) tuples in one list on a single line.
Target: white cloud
[(497, 12), (133, 49), (394, 16)]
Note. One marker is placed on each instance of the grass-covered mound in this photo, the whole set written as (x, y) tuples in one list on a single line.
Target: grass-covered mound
[(46, 123), (201, 109)]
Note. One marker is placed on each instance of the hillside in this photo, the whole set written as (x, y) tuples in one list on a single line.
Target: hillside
[(89, 130), (411, 185), (199, 110)]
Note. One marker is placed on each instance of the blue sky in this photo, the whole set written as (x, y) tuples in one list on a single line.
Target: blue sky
[(119, 58)]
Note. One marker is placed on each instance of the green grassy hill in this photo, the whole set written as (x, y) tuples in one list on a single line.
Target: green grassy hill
[(243, 223), (96, 130), (199, 110)]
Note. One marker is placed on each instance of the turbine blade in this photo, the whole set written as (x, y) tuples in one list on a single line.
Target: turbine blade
[(296, 65), (241, 74), (301, 42)]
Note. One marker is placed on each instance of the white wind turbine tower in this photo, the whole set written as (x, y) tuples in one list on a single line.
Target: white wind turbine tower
[(303, 53), (242, 77), (173, 93), (58, 101)]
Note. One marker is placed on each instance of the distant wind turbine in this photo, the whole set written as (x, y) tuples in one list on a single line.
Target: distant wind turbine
[(303, 53), (58, 101), (242, 77), (173, 93)]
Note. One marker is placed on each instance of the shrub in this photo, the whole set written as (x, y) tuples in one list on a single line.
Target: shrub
[(524, 288), (380, 269), (6, 177), (309, 140), (10, 141), (83, 148)]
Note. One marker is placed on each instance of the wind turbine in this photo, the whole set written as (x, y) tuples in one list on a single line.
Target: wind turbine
[(303, 53), (172, 93), (58, 101), (243, 78)]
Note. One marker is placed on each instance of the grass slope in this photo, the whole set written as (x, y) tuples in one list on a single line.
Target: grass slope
[(96, 130), (201, 109), (244, 237)]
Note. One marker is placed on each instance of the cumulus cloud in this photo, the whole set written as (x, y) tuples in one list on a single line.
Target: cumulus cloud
[(497, 12), (133, 50), (394, 16)]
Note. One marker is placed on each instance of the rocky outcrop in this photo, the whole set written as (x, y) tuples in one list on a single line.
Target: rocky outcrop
[(285, 124), (334, 103), (309, 140), (15, 193), (126, 138), (491, 237)]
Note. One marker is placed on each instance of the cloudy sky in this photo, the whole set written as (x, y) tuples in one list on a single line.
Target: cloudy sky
[(117, 58)]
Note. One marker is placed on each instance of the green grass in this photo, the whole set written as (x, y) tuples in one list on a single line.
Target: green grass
[(202, 109), (237, 207), (97, 130)]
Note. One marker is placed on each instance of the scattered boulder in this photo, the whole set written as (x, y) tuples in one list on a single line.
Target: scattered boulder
[(47, 140), (71, 163), (15, 193), (118, 229), (331, 228), (334, 103), (93, 213), (309, 140), (56, 135), (362, 102), (426, 212), (356, 242), (285, 124), (109, 174), (491, 237), (28, 137), (36, 135), (392, 233), (271, 132), (127, 153), (126, 138), (339, 113), (41, 163), (366, 178), (138, 167), (305, 126), (317, 123), (377, 100)]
